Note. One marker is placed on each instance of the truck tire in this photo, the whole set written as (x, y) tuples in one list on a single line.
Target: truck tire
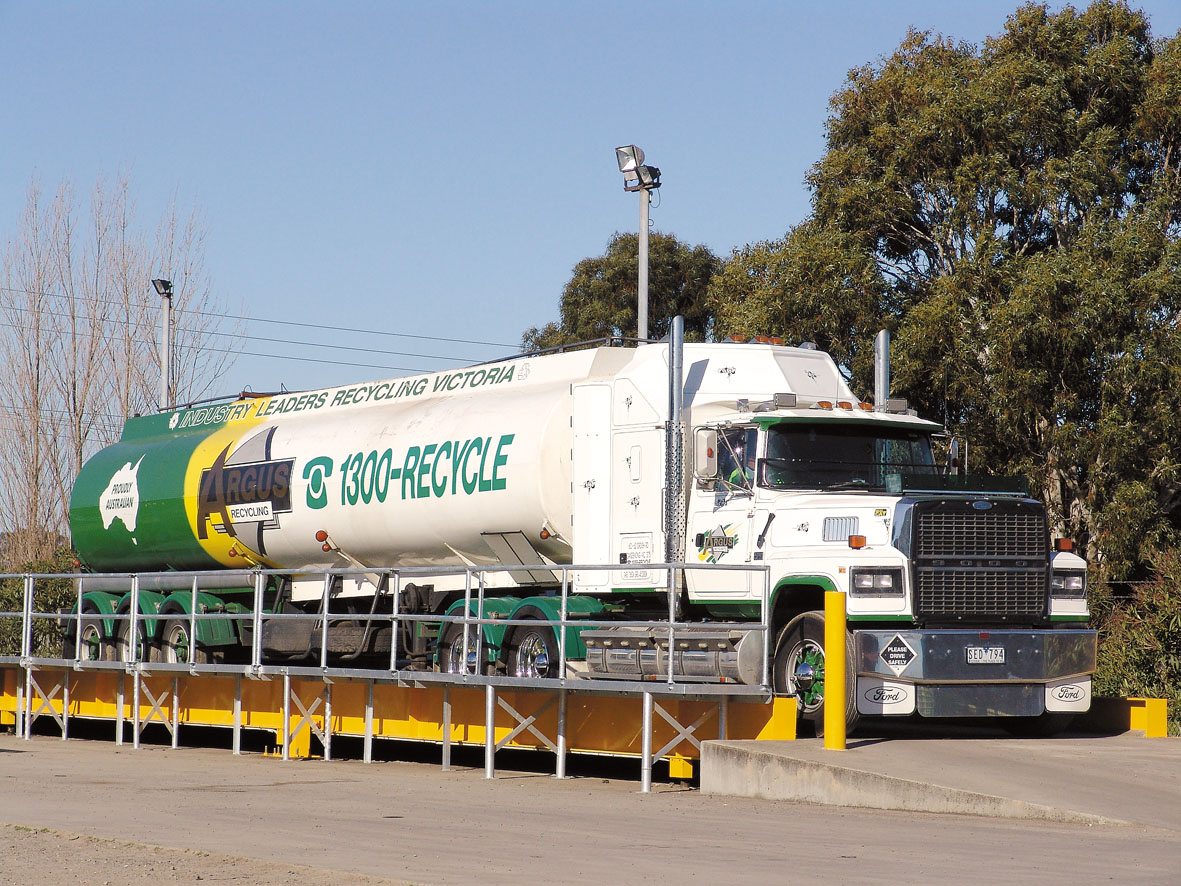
[(799, 671), (451, 651), (533, 652), (95, 643), (119, 649), (177, 647)]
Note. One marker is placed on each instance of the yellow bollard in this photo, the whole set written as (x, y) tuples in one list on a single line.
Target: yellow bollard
[(834, 671)]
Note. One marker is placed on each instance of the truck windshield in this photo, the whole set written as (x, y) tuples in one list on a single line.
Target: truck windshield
[(832, 456)]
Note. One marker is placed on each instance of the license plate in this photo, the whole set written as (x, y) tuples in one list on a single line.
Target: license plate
[(986, 655)]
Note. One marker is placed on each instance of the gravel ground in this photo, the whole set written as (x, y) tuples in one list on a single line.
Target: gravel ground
[(44, 857)]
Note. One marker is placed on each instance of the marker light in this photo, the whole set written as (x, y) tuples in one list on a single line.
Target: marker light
[(824, 404), (844, 404), (857, 542), (1064, 544), (321, 535)]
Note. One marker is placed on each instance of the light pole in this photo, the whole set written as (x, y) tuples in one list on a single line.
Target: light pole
[(164, 288), (645, 179)]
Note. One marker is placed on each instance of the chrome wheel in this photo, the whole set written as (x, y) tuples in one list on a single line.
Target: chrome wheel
[(534, 653), (805, 675), (451, 651)]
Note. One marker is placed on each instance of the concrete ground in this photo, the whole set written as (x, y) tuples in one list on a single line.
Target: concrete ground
[(1085, 779), (91, 812)]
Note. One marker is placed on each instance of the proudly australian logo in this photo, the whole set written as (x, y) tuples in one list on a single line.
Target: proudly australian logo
[(716, 543), (243, 492), (120, 500)]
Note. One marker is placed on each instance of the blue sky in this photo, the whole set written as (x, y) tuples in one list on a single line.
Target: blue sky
[(434, 170)]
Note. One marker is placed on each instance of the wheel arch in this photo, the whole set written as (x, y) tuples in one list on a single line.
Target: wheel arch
[(795, 595), (493, 633), (549, 609)]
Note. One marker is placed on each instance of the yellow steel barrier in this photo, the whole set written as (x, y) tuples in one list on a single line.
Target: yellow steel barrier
[(593, 723), (835, 698), (1149, 714)]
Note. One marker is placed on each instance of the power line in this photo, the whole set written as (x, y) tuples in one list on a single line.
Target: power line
[(261, 338), (322, 326)]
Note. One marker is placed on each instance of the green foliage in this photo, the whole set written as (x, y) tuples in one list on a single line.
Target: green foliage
[(600, 299), (1140, 639), (1011, 213), (49, 597)]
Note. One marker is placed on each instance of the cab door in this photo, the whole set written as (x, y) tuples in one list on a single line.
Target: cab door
[(721, 521)]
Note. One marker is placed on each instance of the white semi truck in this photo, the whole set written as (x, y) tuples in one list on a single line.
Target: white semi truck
[(749, 454)]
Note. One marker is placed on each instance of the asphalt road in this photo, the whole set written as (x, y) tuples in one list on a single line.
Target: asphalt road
[(261, 820)]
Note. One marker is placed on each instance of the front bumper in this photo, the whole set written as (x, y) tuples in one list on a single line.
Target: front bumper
[(974, 673)]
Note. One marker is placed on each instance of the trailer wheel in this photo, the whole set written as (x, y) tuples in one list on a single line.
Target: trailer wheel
[(94, 645), (451, 651), (799, 671), (533, 652), (176, 646), (120, 647)]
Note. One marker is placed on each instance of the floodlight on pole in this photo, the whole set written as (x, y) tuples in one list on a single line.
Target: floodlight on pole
[(164, 289), (644, 179)]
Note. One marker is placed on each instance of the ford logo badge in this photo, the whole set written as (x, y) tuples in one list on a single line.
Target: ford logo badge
[(886, 695), (982, 505)]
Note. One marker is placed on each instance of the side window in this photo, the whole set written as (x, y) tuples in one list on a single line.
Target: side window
[(737, 457)]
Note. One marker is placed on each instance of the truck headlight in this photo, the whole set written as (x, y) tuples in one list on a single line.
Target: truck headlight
[(876, 581), (1068, 584)]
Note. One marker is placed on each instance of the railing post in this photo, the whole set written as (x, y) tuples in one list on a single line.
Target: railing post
[(646, 746), (565, 614), (324, 621), (133, 631), (193, 630), (490, 731), (238, 715), (479, 644), (446, 727), (286, 716), (256, 622), (368, 746), (395, 633), (672, 615), (27, 619), (561, 767)]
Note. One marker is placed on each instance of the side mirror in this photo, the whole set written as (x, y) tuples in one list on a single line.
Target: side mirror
[(705, 454), (955, 462)]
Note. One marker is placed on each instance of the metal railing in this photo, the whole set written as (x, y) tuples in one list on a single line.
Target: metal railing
[(134, 642)]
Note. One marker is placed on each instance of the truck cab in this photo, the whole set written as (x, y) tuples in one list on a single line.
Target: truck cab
[(958, 605)]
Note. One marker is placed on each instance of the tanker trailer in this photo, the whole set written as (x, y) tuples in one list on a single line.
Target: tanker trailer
[(451, 469), (959, 603)]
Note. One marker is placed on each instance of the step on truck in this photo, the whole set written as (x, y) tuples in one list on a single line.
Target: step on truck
[(612, 461)]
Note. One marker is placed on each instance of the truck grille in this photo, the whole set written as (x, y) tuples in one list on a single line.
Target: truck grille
[(981, 565)]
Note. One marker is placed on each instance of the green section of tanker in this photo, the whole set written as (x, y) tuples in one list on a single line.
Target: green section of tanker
[(127, 509)]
